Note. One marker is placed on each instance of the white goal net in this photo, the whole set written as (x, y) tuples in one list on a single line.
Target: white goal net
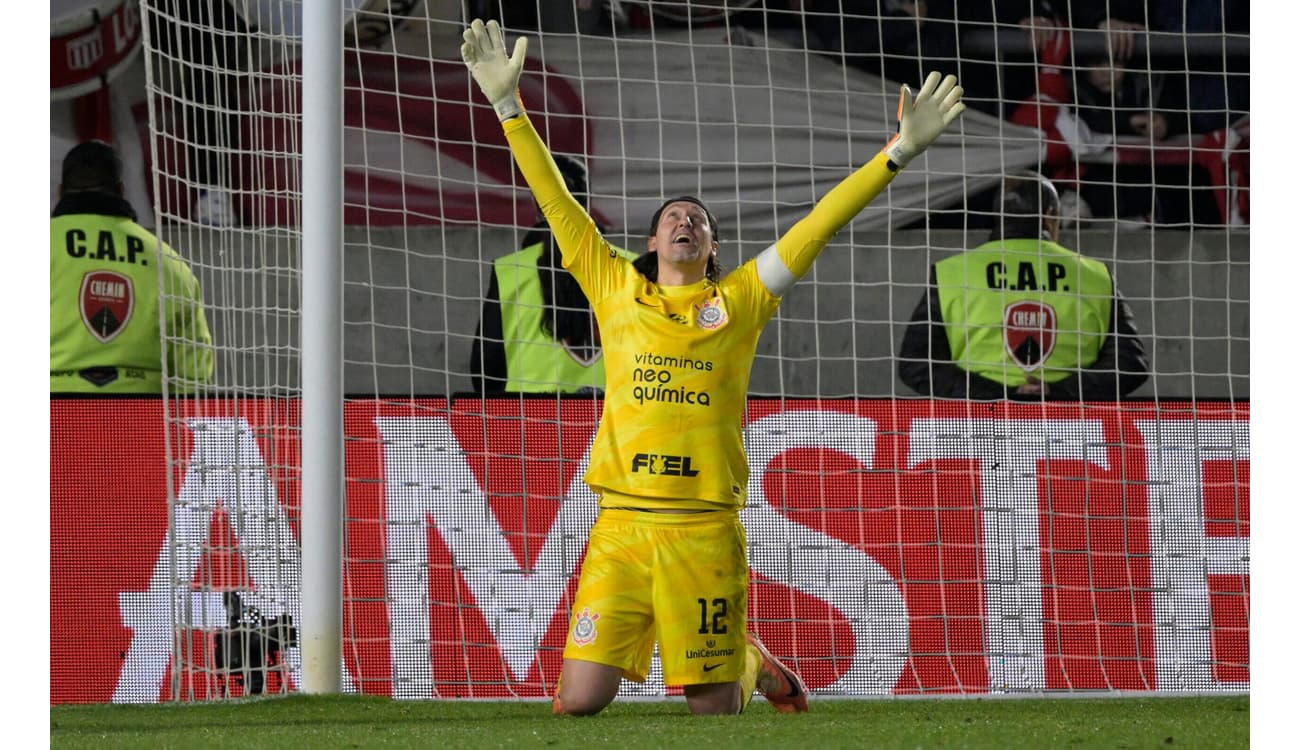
[(901, 542)]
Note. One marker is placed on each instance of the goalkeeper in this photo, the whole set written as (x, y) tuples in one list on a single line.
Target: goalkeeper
[(666, 558)]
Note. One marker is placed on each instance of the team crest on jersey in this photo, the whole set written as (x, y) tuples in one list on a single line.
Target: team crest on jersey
[(710, 314), (107, 299), (584, 628), (1029, 333)]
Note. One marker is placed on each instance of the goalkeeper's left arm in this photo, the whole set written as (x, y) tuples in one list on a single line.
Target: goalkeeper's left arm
[(920, 122)]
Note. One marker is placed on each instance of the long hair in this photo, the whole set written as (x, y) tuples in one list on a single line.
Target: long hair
[(568, 312), (647, 263)]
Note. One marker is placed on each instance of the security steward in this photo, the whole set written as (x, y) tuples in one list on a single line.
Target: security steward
[(1021, 317), (105, 331)]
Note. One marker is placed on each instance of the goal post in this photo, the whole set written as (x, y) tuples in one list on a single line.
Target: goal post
[(323, 486), (347, 514)]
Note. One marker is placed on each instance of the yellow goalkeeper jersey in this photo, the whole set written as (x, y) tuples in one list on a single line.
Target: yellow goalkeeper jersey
[(677, 359), (677, 365)]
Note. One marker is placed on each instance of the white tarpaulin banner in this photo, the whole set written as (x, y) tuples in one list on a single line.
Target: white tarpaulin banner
[(757, 132)]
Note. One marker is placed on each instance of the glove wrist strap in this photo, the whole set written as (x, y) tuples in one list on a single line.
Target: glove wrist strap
[(898, 151), (508, 107)]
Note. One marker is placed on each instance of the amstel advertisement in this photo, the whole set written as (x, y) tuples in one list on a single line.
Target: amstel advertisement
[(896, 547)]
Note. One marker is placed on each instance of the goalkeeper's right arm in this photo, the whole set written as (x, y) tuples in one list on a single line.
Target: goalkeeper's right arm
[(497, 76)]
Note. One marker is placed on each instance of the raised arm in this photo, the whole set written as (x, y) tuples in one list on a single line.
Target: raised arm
[(920, 121), (497, 76)]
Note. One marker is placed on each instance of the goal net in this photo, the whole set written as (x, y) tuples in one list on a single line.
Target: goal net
[(901, 542)]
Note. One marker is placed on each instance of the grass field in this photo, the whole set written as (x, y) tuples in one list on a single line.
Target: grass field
[(301, 721)]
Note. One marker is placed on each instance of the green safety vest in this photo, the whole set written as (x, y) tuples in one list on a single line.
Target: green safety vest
[(1024, 306), (104, 309), (535, 362)]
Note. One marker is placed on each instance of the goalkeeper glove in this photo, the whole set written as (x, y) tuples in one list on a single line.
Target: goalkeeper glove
[(497, 76), (921, 121)]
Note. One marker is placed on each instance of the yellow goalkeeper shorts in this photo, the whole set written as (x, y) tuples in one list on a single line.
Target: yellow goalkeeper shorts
[(681, 579)]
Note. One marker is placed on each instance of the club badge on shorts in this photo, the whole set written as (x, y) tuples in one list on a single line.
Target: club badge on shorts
[(710, 314), (107, 299), (584, 628)]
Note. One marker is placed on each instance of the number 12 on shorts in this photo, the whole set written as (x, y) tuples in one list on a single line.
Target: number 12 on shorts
[(713, 616)]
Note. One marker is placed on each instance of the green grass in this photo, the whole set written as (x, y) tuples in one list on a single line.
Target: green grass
[(301, 721)]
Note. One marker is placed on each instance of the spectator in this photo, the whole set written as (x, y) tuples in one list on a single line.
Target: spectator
[(1117, 101), (202, 44), (1214, 92), (1085, 110), (105, 291), (537, 332), (894, 39), (1123, 23), (1021, 317), (1003, 74), (1211, 92), (1121, 156), (993, 73), (887, 38)]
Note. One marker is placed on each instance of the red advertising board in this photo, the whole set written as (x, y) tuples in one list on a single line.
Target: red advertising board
[(896, 547)]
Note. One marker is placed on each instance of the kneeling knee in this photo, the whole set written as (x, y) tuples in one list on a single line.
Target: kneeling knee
[(572, 706)]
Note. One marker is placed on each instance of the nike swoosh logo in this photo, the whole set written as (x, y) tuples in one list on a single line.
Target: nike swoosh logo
[(711, 667)]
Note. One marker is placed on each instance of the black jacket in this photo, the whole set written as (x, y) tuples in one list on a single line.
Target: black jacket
[(94, 202)]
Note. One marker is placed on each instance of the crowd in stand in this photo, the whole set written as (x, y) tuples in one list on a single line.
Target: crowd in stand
[(1140, 125), (1143, 104)]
